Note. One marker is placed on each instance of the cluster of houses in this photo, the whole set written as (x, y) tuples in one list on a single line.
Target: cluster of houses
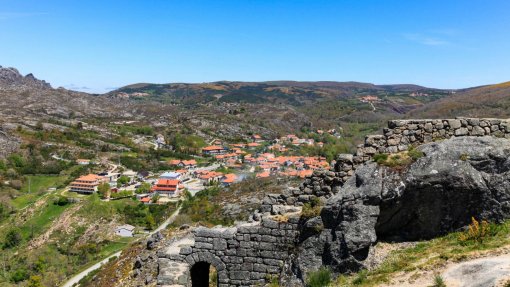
[(369, 99), (247, 156), (268, 164)]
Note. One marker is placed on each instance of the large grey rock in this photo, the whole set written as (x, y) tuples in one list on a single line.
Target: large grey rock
[(440, 192)]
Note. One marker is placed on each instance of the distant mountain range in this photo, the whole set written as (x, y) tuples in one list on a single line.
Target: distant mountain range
[(228, 108), (285, 92)]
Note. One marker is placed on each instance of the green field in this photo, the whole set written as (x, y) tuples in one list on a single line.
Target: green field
[(34, 187)]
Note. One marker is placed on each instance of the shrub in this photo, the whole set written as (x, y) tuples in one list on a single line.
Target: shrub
[(478, 231), (61, 201), (121, 194), (19, 275), (319, 278), (311, 209), (12, 238), (273, 281), (360, 278), (35, 281)]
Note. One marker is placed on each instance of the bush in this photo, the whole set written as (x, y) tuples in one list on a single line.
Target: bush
[(35, 281), (61, 201), (19, 275), (319, 278), (12, 238), (360, 278), (478, 231), (121, 194), (144, 188), (311, 209)]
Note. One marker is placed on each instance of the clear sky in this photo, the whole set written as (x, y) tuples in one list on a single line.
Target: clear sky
[(96, 45)]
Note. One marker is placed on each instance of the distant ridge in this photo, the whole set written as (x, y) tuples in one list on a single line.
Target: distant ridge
[(12, 77)]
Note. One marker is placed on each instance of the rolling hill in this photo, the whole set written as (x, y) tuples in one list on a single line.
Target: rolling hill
[(484, 101)]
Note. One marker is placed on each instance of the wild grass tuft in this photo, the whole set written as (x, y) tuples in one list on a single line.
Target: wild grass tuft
[(319, 278)]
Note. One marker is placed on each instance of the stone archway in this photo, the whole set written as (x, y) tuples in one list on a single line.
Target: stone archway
[(200, 264)]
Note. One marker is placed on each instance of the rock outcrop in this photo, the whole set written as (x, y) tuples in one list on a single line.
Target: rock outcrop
[(12, 77), (440, 192)]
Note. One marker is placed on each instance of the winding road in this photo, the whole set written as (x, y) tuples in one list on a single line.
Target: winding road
[(75, 279), (86, 272)]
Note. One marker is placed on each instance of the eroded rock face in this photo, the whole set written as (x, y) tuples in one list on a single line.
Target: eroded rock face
[(440, 192)]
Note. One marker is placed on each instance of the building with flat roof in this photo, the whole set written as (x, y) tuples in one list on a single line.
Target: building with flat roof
[(87, 184), (168, 187)]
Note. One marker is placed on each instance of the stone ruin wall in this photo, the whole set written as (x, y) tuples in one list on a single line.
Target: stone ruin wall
[(401, 134), (252, 253), (245, 255)]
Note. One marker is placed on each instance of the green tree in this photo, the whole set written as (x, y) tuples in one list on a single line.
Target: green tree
[(122, 180), (104, 190), (150, 222), (12, 238), (144, 188)]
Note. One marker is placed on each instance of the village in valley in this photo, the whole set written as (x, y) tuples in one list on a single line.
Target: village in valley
[(219, 164)]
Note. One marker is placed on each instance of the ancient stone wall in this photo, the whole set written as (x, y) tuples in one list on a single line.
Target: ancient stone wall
[(245, 255), (400, 134)]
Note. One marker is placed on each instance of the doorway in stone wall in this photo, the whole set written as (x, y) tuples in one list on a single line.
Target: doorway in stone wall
[(203, 274)]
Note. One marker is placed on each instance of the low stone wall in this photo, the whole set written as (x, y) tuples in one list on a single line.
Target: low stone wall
[(402, 133)]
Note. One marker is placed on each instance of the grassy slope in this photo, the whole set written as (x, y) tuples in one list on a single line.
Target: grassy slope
[(429, 255), (38, 185), (65, 250)]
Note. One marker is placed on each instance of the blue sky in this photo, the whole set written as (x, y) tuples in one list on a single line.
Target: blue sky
[(99, 45)]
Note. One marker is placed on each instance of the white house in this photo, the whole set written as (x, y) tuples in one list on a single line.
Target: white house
[(125, 230)]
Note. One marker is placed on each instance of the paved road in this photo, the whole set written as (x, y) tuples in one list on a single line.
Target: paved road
[(167, 222), (75, 279), (96, 266)]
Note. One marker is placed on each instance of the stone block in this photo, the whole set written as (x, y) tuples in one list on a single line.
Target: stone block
[(454, 124)]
